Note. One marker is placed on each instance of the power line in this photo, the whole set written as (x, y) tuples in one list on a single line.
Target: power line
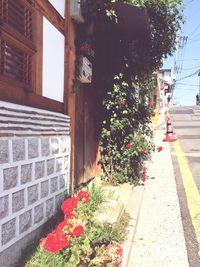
[(194, 67), (190, 1), (194, 40), (194, 37), (182, 42), (197, 27), (187, 84), (190, 75), (194, 59)]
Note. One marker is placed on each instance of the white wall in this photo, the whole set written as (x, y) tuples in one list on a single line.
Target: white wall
[(59, 5), (53, 62)]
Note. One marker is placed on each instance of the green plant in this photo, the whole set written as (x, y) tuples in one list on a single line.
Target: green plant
[(75, 240), (93, 9), (165, 19), (126, 135), (108, 232), (107, 255)]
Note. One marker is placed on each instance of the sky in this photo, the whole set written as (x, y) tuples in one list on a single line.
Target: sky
[(188, 57)]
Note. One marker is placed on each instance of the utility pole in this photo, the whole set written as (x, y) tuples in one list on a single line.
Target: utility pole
[(181, 42), (174, 68), (199, 82)]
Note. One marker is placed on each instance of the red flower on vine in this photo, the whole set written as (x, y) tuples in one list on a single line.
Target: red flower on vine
[(160, 148), (150, 102), (143, 150), (128, 146), (84, 48), (121, 102), (145, 169), (119, 251), (144, 175)]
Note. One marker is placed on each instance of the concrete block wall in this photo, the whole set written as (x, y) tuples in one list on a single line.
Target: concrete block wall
[(34, 169)]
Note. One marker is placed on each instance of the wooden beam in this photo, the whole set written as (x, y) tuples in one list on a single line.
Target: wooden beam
[(69, 96), (51, 14), (15, 35), (38, 57), (16, 43), (14, 94)]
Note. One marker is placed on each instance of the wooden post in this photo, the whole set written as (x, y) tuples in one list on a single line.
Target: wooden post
[(69, 96)]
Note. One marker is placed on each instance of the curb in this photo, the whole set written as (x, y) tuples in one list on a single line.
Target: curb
[(133, 207)]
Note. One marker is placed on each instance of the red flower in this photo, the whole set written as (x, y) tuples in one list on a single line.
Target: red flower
[(119, 251), (128, 146), (120, 102), (143, 177), (78, 230), (143, 150), (68, 207), (83, 195), (144, 174), (64, 224), (144, 169), (160, 148), (83, 48), (55, 241), (150, 102)]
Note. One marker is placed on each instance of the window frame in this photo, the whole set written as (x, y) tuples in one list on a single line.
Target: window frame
[(19, 41), (21, 93)]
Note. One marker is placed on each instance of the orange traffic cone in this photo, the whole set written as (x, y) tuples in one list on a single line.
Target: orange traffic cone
[(170, 135)]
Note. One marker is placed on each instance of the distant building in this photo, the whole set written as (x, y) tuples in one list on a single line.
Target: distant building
[(166, 85)]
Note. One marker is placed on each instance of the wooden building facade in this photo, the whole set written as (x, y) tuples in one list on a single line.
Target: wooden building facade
[(48, 142), (49, 121)]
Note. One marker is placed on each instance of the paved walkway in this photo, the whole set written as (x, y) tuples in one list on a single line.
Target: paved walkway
[(159, 239)]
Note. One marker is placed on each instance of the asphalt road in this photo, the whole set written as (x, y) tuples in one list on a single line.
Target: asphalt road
[(186, 125)]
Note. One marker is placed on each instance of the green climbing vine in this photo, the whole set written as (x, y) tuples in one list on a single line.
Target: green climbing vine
[(126, 139)]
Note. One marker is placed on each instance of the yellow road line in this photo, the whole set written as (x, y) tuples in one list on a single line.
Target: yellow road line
[(191, 190)]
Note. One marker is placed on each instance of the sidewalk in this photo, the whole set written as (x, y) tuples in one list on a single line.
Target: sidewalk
[(158, 239)]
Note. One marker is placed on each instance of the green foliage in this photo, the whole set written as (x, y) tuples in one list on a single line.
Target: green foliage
[(83, 249), (86, 213), (116, 232), (93, 9), (165, 19), (44, 258)]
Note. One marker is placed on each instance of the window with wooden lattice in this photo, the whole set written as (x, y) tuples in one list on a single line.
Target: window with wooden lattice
[(17, 41), (21, 52)]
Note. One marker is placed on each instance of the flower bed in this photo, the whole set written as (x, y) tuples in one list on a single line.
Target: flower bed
[(81, 239)]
